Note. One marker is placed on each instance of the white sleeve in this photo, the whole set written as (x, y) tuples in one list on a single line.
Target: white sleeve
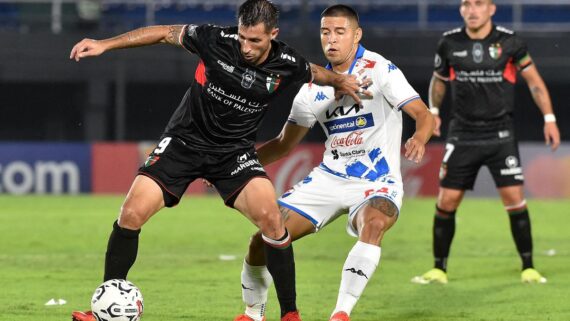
[(301, 111), (394, 85)]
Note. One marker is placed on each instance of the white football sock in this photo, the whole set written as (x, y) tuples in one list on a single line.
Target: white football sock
[(356, 272), (255, 282)]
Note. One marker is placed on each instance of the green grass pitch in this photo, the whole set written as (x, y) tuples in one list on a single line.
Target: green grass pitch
[(53, 247)]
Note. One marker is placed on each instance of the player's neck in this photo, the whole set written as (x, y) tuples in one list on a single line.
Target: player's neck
[(347, 62), (480, 33)]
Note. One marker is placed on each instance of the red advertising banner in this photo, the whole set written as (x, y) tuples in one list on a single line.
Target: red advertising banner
[(114, 166)]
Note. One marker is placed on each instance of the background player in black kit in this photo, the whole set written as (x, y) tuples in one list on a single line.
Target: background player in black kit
[(480, 62), (211, 135)]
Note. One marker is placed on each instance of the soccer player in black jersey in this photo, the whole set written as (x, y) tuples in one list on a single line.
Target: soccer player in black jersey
[(242, 71), (480, 62)]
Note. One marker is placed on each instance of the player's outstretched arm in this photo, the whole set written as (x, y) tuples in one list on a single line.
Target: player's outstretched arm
[(541, 98), (436, 94), (136, 38), (415, 145), (343, 84), (281, 145)]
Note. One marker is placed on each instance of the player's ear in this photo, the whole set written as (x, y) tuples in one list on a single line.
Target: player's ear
[(493, 8), (274, 33), (357, 35)]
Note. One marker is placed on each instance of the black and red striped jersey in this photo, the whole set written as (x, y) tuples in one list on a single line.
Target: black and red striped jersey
[(482, 75), (225, 103)]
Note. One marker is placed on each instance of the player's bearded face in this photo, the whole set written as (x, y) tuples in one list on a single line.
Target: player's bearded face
[(255, 42), (339, 39), (477, 13)]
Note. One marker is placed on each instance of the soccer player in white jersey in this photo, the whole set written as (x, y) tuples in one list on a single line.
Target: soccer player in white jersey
[(361, 160)]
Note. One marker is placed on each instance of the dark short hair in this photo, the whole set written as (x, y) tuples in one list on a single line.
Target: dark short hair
[(253, 12), (341, 10)]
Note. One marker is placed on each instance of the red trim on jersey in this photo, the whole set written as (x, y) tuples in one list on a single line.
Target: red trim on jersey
[(200, 74), (510, 72), (451, 73)]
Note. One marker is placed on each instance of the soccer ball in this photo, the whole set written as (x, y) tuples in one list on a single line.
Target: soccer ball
[(117, 300)]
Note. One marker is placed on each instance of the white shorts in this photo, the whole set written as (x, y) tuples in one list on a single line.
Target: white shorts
[(321, 197)]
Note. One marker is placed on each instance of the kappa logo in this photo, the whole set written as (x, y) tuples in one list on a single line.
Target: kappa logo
[(288, 57), (357, 272), (246, 288), (320, 96), (392, 67)]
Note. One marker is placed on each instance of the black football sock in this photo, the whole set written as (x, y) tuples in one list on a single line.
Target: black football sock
[(281, 265), (443, 231), (121, 252), (520, 228)]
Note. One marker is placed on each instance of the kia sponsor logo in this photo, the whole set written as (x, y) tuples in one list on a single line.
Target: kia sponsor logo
[(343, 111), (41, 177)]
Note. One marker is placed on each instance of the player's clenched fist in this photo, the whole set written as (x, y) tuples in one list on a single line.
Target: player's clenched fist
[(86, 48)]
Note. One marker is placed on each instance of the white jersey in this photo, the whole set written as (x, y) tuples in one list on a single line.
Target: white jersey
[(363, 141)]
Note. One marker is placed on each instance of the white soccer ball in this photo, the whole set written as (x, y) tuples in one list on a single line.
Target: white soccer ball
[(117, 300)]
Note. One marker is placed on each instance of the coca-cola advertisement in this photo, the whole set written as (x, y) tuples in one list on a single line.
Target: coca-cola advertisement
[(352, 139)]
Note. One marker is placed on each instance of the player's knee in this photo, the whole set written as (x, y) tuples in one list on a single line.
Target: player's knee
[(449, 202), (270, 223), (131, 217), (376, 224)]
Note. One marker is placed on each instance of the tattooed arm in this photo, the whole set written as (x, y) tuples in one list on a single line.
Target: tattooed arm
[(436, 93), (136, 38), (541, 98)]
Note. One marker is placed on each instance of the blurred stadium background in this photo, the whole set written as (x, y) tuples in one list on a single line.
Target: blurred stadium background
[(85, 127)]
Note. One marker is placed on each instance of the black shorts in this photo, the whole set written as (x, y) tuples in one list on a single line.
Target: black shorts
[(461, 163), (174, 165)]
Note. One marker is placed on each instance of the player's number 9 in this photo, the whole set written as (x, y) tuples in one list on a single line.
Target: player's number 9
[(162, 145)]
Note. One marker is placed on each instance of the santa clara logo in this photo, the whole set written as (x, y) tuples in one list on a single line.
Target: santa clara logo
[(495, 51), (361, 122)]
